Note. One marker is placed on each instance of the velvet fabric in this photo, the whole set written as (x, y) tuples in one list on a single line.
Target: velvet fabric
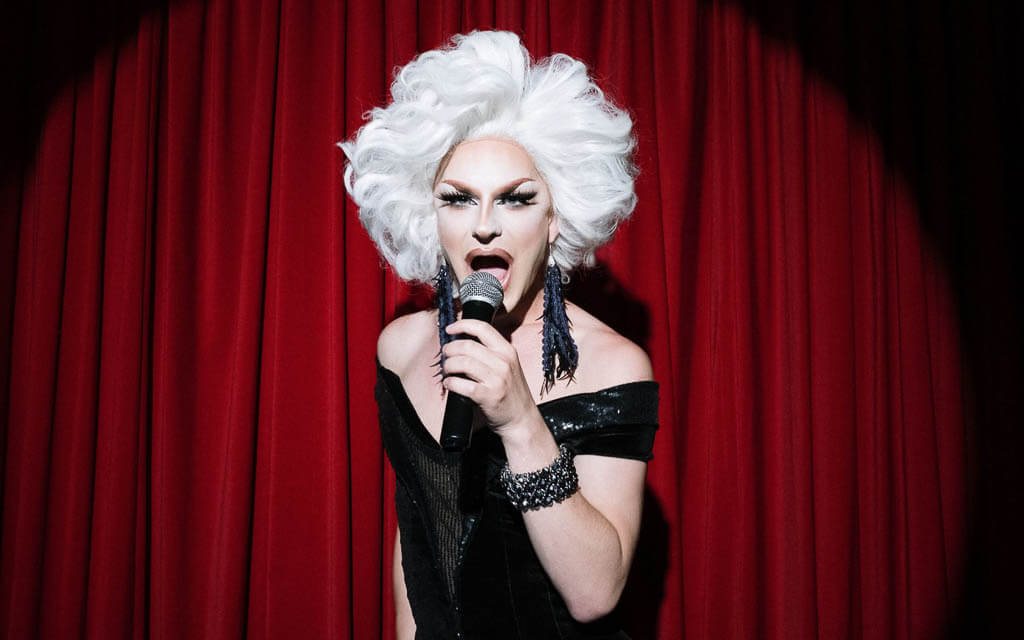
[(821, 266), (470, 569)]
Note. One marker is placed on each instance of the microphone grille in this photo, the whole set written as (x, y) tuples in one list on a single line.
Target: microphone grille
[(483, 287)]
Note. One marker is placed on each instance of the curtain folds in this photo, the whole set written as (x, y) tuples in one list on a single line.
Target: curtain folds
[(190, 446)]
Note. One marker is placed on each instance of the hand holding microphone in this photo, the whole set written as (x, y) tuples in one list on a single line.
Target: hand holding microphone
[(481, 295)]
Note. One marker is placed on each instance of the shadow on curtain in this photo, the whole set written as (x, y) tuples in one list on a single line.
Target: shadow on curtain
[(821, 268)]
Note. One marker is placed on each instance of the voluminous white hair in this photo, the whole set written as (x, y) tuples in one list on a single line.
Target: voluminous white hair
[(485, 85)]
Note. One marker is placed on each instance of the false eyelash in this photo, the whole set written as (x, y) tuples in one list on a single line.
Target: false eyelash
[(456, 197), (520, 197)]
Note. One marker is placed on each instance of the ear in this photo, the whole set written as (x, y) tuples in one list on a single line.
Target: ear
[(552, 227)]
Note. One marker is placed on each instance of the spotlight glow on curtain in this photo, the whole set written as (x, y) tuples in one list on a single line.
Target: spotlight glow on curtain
[(190, 446)]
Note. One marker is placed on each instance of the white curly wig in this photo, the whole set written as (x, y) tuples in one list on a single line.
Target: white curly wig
[(484, 85)]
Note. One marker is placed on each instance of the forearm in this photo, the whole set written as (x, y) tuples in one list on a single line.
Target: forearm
[(585, 553), (405, 626)]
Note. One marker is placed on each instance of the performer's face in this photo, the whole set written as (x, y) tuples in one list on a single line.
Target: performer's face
[(494, 214)]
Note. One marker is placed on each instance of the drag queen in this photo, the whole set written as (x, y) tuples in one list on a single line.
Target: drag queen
[(486, 161)]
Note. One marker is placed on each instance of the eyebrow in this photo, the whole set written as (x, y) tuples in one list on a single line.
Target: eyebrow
[(508, 188)]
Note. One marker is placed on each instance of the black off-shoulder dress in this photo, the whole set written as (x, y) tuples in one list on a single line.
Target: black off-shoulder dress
[(470, 570)]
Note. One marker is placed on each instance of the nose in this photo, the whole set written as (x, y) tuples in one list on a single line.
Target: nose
[(487, 227)]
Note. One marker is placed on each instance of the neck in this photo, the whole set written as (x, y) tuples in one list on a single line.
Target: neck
[(527, 312)]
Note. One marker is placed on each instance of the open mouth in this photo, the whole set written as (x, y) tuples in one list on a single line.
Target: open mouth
[(496, 265)]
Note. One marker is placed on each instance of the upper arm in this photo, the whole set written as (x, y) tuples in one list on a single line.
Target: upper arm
[(388, 343), (615, 488), (631, 362), (405, 625), (399, 341)]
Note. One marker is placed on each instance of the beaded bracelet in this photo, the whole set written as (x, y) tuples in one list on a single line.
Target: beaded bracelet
[(543, 487)]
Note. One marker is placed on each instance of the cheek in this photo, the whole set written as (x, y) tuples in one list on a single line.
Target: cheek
[(447, 231), (532, 244), (450, 236)]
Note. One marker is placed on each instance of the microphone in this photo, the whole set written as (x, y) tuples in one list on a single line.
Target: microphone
[(481, 295)]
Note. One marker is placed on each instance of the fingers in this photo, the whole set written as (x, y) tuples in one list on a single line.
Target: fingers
[(490, 381), (466, 388), (476, 362), (469, 376), (465, 360), (485, 333), (485, 371)]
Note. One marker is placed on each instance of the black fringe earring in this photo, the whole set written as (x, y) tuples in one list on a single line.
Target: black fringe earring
[(558, 342), (445, 307)]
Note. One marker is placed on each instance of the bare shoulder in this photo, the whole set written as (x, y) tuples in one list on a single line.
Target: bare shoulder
[(606, 357), (404, 340)]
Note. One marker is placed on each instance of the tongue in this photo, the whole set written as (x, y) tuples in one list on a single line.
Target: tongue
[(492, 265), (497, 273)]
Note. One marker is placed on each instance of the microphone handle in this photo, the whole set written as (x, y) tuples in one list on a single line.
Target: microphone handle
[(457, 424), (457, 428)]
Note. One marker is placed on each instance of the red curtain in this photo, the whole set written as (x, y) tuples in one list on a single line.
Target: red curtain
[(190, 446)]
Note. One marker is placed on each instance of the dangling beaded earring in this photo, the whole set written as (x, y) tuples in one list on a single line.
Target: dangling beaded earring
[(445, 306), (557, 338)]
